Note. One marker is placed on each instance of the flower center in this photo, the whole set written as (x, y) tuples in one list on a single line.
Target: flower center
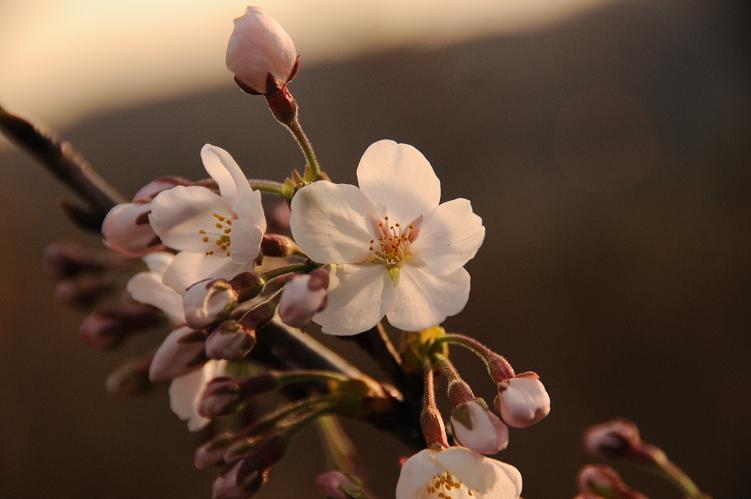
[(392, 247), (218, 237), (445, 485)]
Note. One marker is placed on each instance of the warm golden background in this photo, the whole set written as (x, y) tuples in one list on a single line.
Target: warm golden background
[(605, 144)]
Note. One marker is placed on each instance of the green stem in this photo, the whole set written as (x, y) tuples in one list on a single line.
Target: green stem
[(301, 376), (339, 448), (269, 186), (289, 269), (301, 406), (498, 367), (679, 478), (307, 148)]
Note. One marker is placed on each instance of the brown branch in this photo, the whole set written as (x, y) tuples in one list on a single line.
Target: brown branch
[(63, 161)]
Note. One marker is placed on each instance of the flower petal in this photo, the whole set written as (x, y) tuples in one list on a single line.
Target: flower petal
[(398, 180), (147, 287), (474, 470), (333, 223), (178, 214), (508, 482), (358, 297), (226, 172), (188, 268), (158, 261), (248, 228), (416, 474), (449, 236), (424, 299), (185, 393)]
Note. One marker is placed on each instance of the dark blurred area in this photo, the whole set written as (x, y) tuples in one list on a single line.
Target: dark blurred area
[(609, 159)]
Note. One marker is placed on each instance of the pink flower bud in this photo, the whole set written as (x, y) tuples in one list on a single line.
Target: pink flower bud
[(522, 400), (131, 377), (477, 428), (616, 438), (211, 452), (83, 290), (104, 329), (220, 397), (230, 340), (336, 485), (150, 190), (126, 230), (207, 301), (604, 481), (260, 53), (303, 297), (239, 482), (181, 351)]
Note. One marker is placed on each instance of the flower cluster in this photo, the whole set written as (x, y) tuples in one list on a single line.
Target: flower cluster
[(346, 261)]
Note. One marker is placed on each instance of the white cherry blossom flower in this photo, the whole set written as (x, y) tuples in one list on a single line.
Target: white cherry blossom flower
[(458, 473), (147, 287), (396, 251), (217, 235), (185, 392)]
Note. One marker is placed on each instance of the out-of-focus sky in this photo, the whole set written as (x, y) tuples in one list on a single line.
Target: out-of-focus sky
[(62, 60)]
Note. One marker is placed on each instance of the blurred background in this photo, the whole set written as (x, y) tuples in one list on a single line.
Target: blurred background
[(604, 143)]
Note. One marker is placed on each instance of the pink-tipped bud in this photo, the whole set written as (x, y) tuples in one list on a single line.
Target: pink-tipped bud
[(208, 301), (66, 260), (83, 290), (230, 340), (181, 352), (221, 396), (616, 438), (477, 428), (211, 452), (278, 245), (604, 481), (336, 485), (240, 481), (260, 53), (150, 190), (303, 297), (522, 400), (126, 230), (105, 329), (130, 378)]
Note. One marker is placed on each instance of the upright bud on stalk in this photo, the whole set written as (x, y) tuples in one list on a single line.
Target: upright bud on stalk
[(522, 400), (614, 439), (604, 481), (208, 300), (303, 297), (181, 352), (126, 230), (260, 53), (336, 485)]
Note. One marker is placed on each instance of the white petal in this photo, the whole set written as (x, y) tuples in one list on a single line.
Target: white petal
[(185, 393), (333, 223), (449, 236), (357, 299), (178, 214), (417, 472), (508, 482), (188, 268), (147, 287), (226, 172), (474, 470), (398, 180), (424, 299), (158, 261), (248, 228)]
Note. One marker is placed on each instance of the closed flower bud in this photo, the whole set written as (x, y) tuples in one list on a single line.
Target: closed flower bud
[(616, 438), (476, 427), (130, 378), (82, 291), (260, 53), (104, 329), (230, 340), (303, 297), (220, 397), (181, 352), (65, 260), (336, 485), (278, 245), (126, 230), (150, 190), (259, 452), (211, 452), (604, 481), (239, 482), (207, 301), (522, 400)]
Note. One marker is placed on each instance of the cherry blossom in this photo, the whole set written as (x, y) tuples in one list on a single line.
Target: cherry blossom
[(186, 392), (395, 250)]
